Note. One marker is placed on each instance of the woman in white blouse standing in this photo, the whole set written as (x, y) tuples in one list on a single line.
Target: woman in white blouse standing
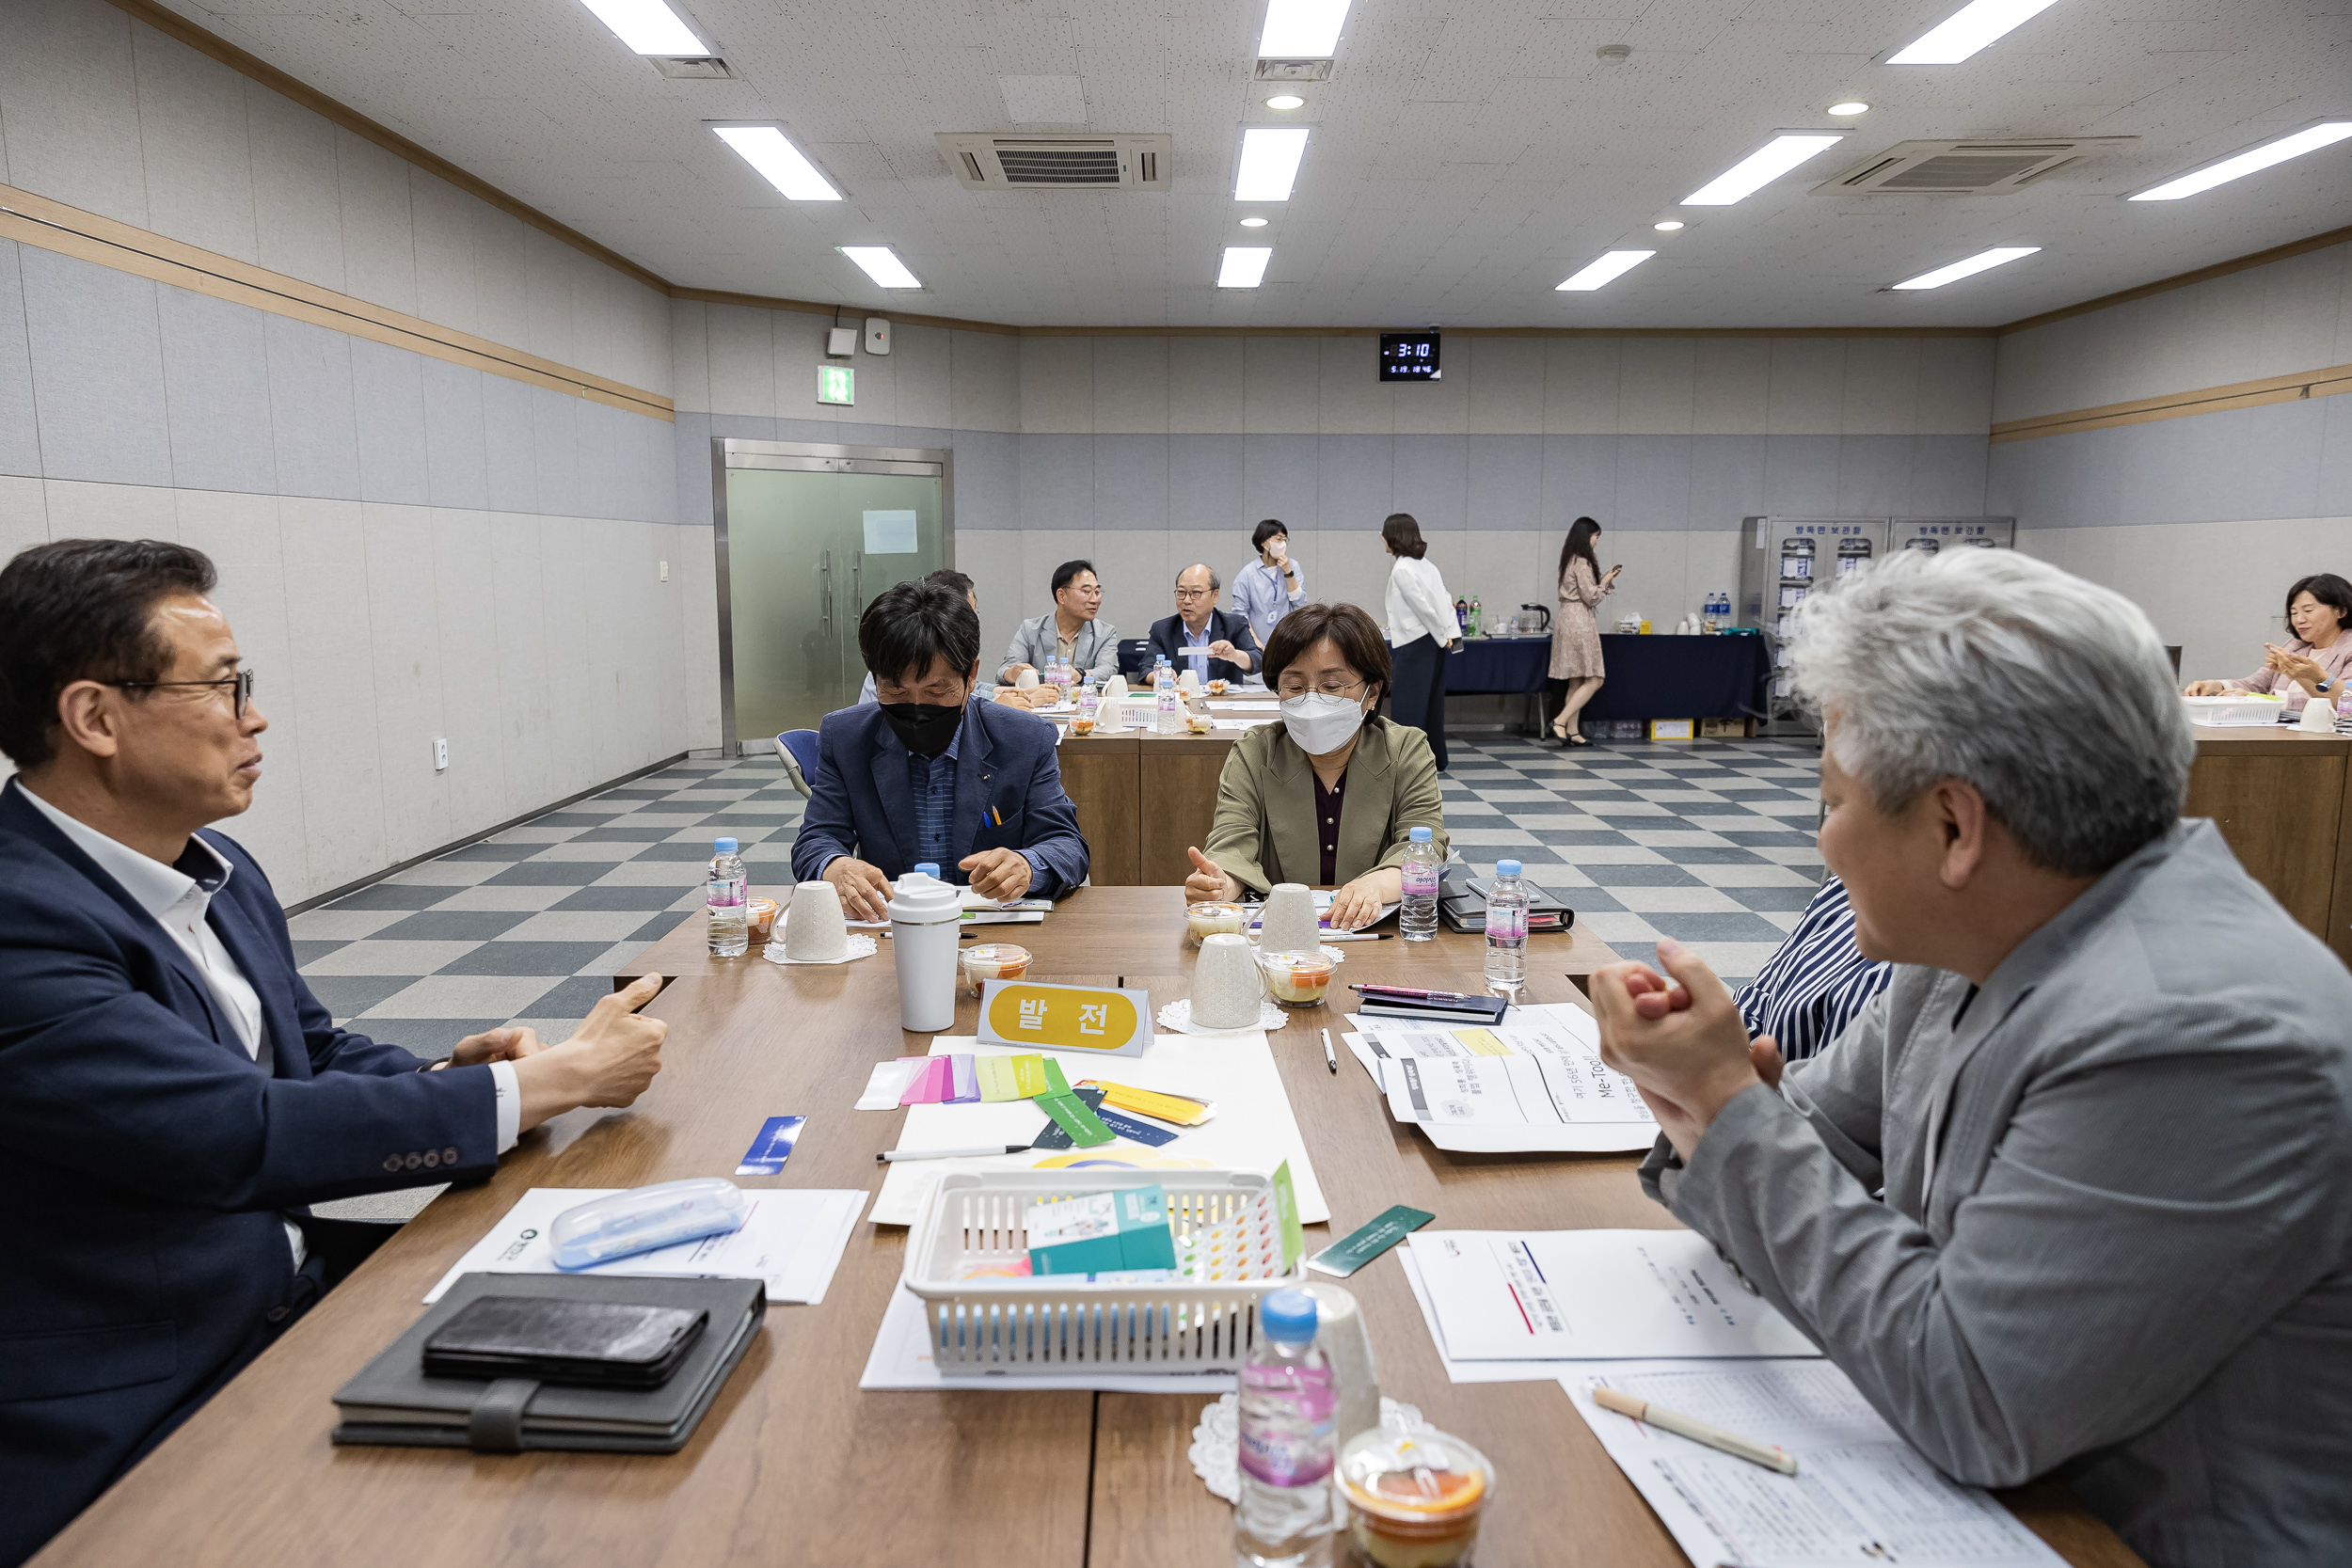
[(1422, 631)]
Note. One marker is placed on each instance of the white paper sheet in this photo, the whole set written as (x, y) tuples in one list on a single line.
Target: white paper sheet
[(901, 1359), (1469, 1371), (1861, 1495), (1583, 1296), (1254, 1129), (792, 1238), (1534, 1083)]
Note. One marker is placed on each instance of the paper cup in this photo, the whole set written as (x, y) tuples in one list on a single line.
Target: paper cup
[(1225, 983), (1188, 681), (1025, 681), (1115, 690), (813, 929), (1288, 922)]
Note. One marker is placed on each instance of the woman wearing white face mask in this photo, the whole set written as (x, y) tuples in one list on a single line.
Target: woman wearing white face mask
[(1329, 795)]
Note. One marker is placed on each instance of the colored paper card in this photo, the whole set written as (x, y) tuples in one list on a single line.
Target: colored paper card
[(1286, 1205), (1182, 1110), (1054, 1079), (1142, 1132), (889, 1081), (1085, 1129), (966, 1081), (773, 1148), (997, 1080), (1055, 1136), (1113, 1021), (1344, 1258), (930, 1086), (1028, 1073)]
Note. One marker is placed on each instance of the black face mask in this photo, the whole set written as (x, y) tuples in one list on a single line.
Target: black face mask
[(924, 728)]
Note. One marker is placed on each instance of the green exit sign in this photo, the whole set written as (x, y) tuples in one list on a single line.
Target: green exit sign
[(836, 383)]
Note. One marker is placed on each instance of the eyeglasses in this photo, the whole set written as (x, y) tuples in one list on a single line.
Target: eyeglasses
[(240, 685), (1330, 686), (1196, 593)]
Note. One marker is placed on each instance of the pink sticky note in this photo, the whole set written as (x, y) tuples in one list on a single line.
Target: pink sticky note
[(934, 1083)]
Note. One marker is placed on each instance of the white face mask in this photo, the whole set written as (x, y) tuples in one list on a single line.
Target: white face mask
[(1320, 722)]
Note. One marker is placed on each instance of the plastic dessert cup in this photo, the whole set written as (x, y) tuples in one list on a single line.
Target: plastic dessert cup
[(1197, 722), (1217, 688), (1208, 919), (1414, 1497), (760, 913), (1083, 724), (1300, 979), (995, 960)]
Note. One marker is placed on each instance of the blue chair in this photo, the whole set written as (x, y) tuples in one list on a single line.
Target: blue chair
[(1135, 655), (797, 751)]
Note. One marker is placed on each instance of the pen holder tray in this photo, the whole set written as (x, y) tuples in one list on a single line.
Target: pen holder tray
[(1229, 1255)]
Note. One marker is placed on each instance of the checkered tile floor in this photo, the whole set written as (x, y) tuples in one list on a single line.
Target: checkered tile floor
[(1708, 842)]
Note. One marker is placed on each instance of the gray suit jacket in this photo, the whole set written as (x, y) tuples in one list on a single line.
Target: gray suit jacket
[(2116, 1237), (1264, 828), (1036, 640)]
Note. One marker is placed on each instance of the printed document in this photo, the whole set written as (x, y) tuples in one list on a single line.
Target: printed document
[(1534, 1083), (1583, 1295), (1861, 1495)]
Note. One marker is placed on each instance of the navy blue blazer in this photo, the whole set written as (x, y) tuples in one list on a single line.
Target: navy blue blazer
[(147, 1161), (1008, 796), (1168, 637)]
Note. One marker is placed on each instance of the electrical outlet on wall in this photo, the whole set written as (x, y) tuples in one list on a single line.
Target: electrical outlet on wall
[(665, 571), (440, 755)]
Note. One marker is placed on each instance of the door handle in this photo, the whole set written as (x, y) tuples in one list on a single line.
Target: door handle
[(825, 621)]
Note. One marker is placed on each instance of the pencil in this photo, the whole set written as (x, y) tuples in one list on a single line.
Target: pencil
[(1329, 1060), (1772, 1458)]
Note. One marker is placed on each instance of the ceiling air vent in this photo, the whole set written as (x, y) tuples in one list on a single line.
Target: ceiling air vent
[(1982, 167), (1293, 71), (692, 68), (1075, 162)]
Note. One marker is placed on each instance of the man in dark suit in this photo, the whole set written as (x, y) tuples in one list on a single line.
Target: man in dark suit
[(171, 1093), (929, 773), (1201, 637)]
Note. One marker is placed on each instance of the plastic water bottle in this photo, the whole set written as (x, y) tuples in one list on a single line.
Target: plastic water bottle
[(1171, 710), (1506, 927), (1090, 700), (1418, 919), (730, 894), (1288, 1417), (1477, 619)]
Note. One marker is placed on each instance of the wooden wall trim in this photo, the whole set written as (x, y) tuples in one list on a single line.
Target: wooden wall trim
[(2165, 285), (2330, 382), (52, 226), (854, 313)]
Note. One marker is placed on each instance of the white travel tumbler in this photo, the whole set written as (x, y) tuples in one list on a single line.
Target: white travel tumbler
[(926, 917)]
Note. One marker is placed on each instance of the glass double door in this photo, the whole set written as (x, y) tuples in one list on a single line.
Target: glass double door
[(808, 537)]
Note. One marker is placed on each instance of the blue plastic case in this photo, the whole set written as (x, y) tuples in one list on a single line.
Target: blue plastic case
[(644, 1218)]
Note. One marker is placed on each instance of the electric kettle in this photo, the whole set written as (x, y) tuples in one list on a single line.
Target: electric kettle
[(1529, 620)]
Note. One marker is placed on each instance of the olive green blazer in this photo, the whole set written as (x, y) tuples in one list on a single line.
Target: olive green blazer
[(1264, 830)]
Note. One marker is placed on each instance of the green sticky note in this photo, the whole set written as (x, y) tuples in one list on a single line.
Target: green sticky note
[(1054, 1077), (1286, 1205), (997, 1080), (1071, 1114), (1029, 1076)]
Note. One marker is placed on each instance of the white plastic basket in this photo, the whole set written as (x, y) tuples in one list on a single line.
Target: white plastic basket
[(2235, 709), (1064, 1324)]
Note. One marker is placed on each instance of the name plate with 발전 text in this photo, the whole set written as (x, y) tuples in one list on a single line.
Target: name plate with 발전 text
[(1066, 1017)]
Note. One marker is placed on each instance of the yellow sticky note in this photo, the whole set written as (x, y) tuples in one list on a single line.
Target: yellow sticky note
[(1028, 1076), (1482, 1043), (998, 1082)]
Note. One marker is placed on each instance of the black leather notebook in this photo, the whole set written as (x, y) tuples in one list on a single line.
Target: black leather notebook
[(1462, 904), (395, 1400)]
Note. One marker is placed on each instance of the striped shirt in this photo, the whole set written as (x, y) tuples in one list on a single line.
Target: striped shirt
[(1816, 982)]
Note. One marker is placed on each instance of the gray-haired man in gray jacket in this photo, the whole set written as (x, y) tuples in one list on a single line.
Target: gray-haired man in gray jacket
[(2074, 1195)]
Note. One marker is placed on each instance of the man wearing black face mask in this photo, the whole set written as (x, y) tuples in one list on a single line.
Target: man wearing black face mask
[(926, 773)]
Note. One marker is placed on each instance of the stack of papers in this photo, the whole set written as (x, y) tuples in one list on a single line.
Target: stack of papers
[(791, 1239), (1536, 1083), (1861, 1495)]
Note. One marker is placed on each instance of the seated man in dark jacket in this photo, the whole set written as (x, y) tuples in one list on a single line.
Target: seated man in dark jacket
[(931, 774), (1201, 637), (171, 1093)]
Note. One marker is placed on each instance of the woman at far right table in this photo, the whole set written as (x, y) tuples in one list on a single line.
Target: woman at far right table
[(1576, 666), (2318, 659)]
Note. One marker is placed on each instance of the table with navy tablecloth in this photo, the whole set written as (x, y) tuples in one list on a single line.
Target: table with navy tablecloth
[(1648, 677)]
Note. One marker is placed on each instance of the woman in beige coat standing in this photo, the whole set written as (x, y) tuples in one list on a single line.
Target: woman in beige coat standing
[(1574, 632)]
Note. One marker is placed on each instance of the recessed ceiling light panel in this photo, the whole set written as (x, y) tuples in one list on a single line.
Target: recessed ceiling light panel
[(880, 264), (1253, 223), (1968, 30), (1305, 28), (2252, 161), (1850, 108), (1759, 168), (1969, 268), (647, 26), (1285, 101), (779, 163), (1670, 226), (1244, 267), (1608, 269), (1269, 163)]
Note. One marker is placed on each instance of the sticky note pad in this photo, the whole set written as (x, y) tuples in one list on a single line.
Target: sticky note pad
[(1054, 1077), (997, 1080), (965, 1080), (1029, 1074)]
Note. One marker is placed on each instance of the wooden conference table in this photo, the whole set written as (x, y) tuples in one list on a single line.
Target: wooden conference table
[(793, 1464), (1106, 777), (2283, 800)]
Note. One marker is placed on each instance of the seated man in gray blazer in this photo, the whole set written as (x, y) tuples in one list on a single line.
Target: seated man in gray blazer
[(1069, 631), (2108, 1094)]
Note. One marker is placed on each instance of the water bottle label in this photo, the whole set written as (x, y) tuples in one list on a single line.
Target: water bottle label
[(1506, 924), (1421, 881), (727, 894), (1296, 1452)]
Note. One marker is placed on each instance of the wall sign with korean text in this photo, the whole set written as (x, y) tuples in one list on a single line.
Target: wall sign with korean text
[(1066, 1017)]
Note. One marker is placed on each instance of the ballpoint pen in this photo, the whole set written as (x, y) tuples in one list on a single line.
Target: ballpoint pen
[(1330, 1058), (891, 1155)]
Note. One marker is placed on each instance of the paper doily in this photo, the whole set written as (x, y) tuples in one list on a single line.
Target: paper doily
[(1178, 1016), (1216, 1441), (859, 947)]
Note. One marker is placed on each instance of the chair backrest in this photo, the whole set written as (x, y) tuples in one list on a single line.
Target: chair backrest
[(1135, 655), (797, 751)]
